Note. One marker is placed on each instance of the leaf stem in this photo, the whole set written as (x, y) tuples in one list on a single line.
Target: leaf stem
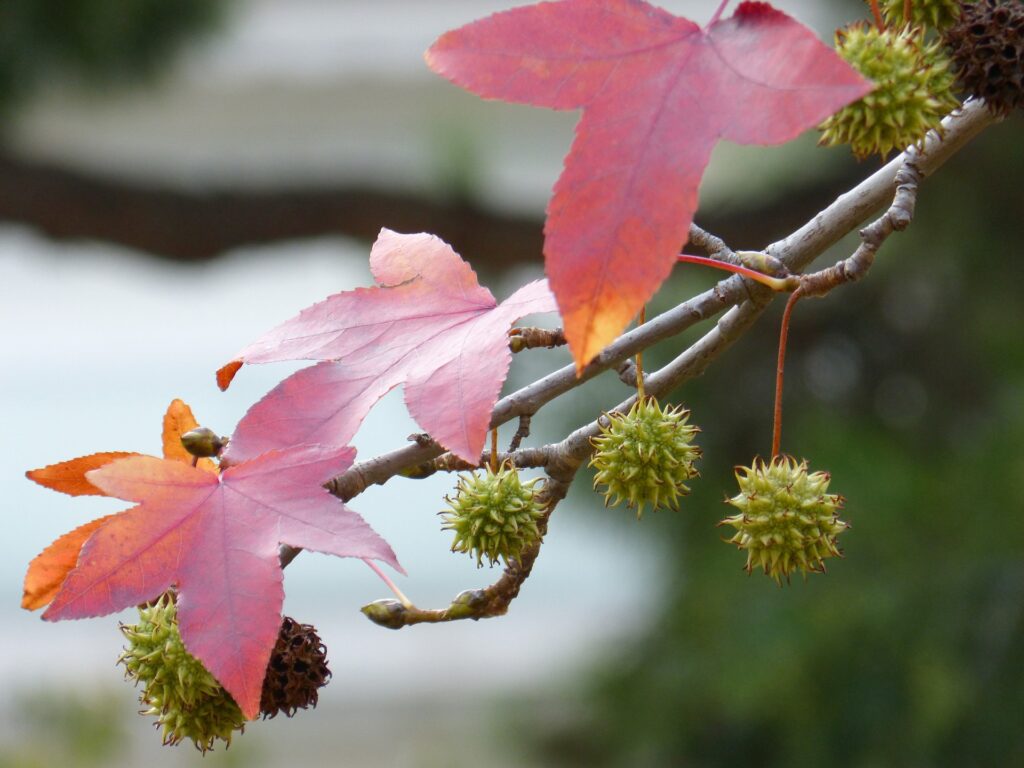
[(391, 585), (775, 283), (494, 451), (640, 358), (908, 8), (877, 13), (780, 366), (718, 14)]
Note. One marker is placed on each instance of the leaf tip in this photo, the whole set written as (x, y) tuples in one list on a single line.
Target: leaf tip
[(30, 602), (226, 373)]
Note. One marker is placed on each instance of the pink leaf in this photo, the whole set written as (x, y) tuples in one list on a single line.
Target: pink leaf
[(657, 93), (216, 538), (428, 324)]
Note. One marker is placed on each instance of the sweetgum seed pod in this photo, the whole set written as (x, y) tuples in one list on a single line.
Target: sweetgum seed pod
[(933, 14), (987, 47), (645, 456), (786, 521), (494, 515), (913, 90), (296, 672), (186, 700)]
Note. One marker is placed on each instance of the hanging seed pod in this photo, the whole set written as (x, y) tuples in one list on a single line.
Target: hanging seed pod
[(296, 672), (646, 456), (932, 14), (494, 515), (786, 520), (913, 90), (987, 47), (186, 700)]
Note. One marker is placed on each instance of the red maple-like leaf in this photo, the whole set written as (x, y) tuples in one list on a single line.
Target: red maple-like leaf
[(50, 567), (657, 92), (215, 538), (428, 324)]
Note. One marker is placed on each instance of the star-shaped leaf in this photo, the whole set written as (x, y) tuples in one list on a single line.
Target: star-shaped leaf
[(428, 324), (215, 538), (657, 93), (49, 568)]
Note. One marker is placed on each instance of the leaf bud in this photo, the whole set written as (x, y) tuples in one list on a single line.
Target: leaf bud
[(467, 603), (387, 613), (203, 442)]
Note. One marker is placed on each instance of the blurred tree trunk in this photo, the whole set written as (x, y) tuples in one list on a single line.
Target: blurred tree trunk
[(196, 225)]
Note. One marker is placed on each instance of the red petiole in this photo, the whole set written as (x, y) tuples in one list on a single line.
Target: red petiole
[(775, 283)]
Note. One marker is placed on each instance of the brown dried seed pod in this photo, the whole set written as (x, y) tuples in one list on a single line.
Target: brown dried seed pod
[(987, 49), (296, 672)]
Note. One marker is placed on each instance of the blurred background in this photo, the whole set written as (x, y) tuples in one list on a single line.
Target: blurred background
[(176, 178)]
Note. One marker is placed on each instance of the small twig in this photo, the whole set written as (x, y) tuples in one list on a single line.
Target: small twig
[(640, 359), (484, 603), (627, 372), (779, 368), (712, 245), (908, 7), (532, 338), (521, 434), (895, 219), (494, 451), (526, 458)]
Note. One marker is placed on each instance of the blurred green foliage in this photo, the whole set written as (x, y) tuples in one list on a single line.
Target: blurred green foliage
[(65, 728), (909, 389), (92, 42)]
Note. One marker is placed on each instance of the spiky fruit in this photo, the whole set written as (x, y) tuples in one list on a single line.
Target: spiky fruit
[(987, 47), (786, 520), (177, 690), (934, 14), (494, 515), (913, 90), (645, 456), (296, 672)]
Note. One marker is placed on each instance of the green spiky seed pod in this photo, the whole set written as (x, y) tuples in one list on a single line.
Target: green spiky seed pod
[(177, 690), (786, 520), (913, 90), (494, 515), (645, 456), (933, 14), (296, 672), (987, 46)]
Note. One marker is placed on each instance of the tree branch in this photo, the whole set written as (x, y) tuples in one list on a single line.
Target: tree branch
[(745, 300), (491, 601), (795, 252)]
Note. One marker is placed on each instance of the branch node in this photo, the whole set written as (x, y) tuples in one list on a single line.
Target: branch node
[(627, 372), (522, 432), (531, 338)]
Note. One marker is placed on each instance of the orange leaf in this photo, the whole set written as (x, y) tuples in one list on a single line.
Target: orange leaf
[(69, 476), (47, 571), (226, 373), (216, 538), (177, 421)]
